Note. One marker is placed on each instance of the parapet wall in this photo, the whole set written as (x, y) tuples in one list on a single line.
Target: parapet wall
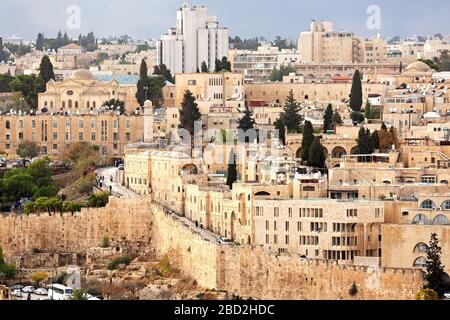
[(252, 272), (243, 270), (121, 219)]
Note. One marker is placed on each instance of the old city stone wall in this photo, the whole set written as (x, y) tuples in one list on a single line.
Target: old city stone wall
[(122, 218), (242, 270), (252, 272)]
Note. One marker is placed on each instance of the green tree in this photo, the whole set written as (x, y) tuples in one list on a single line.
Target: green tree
[(149, 88), (142, 84), (28, 150), (375, 141), (277, 74), (433, 65), (356, 98), (7, 270), (204, 67), (41, 172), (328, 119), (16, 184), (246, 122), (337, 120), (290, 116), (5, 82), (435, 269), (40, 42), (316, 154), (222, 65), (3, 57), (79, 295), (105, 242), (162, 71), (307, 141), (29, 86), (427, 294), (369, 112), (364, 142), (232, 171), (443, 62), (281, 129), (98, 200), (117, 104), (189, 113)]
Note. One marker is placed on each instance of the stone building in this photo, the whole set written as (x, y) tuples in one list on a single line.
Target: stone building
[(55, 133), (83, 93)]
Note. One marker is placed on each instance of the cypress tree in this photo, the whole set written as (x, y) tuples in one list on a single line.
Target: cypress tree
[(189, 113), (46, 70), (356, 99), (143, 72), (328, 119), (2, 51), (40, 42), (232, 171), (204, 67), (281, 128), (365, 145), (246, 122), (375, 141), (143, 84), (316, 154), (218, 66), (226, 65), (337, 120), (308, 139), (435, 269), (290, 115)]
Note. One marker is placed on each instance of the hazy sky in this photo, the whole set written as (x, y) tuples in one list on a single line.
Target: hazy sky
[(150, 18)]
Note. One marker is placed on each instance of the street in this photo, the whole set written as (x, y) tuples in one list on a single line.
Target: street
[(117, 188)]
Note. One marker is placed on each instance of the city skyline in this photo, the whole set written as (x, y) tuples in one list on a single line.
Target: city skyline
[(152, 18)]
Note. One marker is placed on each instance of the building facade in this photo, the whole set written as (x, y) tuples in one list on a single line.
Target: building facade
[(197, 38)]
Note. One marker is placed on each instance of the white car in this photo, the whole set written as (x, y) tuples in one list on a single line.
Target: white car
[(28, 289), (447, 295), (41, 292), (17, 293), (224, 241)]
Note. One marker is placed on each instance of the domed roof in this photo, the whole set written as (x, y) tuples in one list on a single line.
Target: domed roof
[(431, 114), (83, 74), (418, 66)]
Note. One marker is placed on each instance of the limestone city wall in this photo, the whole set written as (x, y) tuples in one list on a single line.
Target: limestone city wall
[(244, 270)]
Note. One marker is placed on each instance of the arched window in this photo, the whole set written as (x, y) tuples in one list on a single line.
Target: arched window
[(428, 204), (70, 103), (445, 205), (441, 220), (63, 104), (444, 181), (420, 262), (420, 219), (420, 248), (8, 124), (386, 182)]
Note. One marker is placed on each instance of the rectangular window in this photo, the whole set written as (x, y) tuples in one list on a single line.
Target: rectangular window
[(80, 136), (93, 136)]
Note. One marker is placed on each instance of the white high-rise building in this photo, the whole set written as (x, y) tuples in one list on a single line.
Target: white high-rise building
[(196, 38)]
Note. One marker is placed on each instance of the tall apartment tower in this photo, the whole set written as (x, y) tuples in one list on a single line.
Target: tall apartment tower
[(323, 45), (196, 38)]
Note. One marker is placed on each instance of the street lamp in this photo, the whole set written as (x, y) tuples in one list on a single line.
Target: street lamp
[(146, 93)]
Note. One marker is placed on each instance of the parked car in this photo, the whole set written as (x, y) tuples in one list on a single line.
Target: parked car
[(224, 241), (28, 289), (447, 295), (17, 293), (17, 287), (41, 292)]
